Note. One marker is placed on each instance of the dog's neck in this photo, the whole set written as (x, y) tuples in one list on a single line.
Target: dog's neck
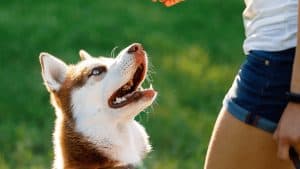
[(124, 141), (115, 144)]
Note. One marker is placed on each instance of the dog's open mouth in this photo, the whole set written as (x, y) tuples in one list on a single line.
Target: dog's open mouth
[(131, 91)]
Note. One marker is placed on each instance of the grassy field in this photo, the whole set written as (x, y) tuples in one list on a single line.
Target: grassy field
[(195, 49)]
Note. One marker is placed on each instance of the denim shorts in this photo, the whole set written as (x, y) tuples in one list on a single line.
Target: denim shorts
[(259, 87)]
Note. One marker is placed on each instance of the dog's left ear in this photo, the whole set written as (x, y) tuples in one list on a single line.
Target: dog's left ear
[(53, 71), (84, 55)]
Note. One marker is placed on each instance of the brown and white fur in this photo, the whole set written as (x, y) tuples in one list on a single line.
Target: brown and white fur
[(95, 102)]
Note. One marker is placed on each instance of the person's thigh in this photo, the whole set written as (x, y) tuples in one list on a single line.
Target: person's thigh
[(236, 145)]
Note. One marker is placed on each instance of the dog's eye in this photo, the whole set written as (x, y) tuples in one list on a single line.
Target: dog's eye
[(97, 71)]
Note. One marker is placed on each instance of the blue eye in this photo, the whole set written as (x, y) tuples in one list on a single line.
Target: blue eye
[(97, 71)]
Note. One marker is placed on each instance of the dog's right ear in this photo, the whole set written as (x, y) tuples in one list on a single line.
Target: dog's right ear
[(53, 71), (84, 55)]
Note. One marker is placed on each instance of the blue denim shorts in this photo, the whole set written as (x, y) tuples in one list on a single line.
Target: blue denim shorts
[(259, 87)]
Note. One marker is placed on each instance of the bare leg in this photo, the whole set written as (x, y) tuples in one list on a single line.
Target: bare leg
[(236, 145)]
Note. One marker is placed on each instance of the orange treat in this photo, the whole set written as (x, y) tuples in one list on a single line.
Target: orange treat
[(169, 3)]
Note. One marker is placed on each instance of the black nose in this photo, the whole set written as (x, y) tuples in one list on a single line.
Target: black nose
[(135, 48)]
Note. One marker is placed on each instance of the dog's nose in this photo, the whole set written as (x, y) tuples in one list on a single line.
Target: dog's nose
[(135, 48)]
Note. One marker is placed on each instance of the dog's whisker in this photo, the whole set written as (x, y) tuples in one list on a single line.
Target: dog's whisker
[(112, 53)]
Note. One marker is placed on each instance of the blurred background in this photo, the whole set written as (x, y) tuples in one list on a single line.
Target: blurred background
[(195, 49)]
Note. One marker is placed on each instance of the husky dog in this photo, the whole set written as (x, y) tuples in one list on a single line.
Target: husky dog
[(95, 102)]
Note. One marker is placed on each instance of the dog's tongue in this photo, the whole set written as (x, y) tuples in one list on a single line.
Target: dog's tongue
[(135, 95)]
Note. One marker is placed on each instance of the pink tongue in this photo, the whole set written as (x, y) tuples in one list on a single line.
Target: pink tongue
[(134, 95)]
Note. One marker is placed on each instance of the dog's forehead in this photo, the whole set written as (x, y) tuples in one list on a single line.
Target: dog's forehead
[(77, 74), (90, 63), (80, 71)]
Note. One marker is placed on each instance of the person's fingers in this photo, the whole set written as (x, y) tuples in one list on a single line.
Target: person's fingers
[(283, 150)]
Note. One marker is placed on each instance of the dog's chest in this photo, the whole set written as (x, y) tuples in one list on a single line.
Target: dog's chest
[(122, 143)]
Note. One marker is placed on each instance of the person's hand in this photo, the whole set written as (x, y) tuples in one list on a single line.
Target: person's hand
[(287, 133), (168, 3)]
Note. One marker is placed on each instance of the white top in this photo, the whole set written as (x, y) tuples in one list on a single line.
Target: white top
[(270, 25)]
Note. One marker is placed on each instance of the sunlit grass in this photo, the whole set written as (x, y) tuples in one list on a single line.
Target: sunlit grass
[(194, 48)]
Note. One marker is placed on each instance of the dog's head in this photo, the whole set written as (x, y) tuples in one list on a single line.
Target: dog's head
[(100, 88)]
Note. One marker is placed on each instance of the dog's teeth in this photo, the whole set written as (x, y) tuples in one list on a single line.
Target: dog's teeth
[(126, 87), (130, 83), (140, 88), (119, 100)]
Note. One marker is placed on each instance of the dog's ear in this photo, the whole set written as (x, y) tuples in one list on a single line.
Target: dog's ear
[(53, 71), (84, 55)]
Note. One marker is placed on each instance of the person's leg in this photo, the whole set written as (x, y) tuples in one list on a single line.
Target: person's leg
[(236, 145)]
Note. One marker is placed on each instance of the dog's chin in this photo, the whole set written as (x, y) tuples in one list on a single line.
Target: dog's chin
[(136, 107), (147, 99)]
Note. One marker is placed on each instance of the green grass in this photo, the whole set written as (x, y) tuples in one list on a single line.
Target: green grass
[(195, 49)]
